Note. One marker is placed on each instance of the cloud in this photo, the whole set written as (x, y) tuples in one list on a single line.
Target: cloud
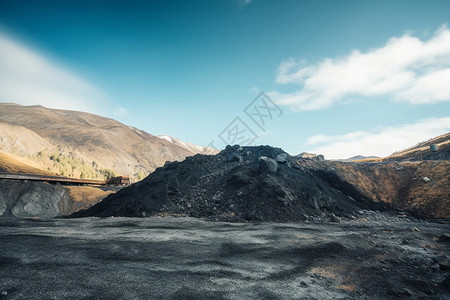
[(245, 2), (404, 69), (121, 111), (379, 142), (28, 78)]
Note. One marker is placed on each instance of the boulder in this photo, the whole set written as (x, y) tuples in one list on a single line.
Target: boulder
[(444, 238), (319, 157), (235, 157), (444, 264), (267, 164), (426, 179), (334, 218), (282, 158)]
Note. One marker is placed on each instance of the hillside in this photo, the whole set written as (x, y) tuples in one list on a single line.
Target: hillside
[(266, 184), (16, 164), (418, 152), (39, 199), (79, 144), (188, 146)]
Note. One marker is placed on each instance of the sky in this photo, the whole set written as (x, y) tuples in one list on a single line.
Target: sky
[(339, 78)]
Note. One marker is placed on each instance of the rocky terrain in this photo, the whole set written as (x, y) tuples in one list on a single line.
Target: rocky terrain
[(42, 200), (32, 199), (377, 256), (266, 184), (240, 184), (298, 227), (78, 144)]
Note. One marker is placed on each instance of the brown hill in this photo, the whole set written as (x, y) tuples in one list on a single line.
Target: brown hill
[(419, 152), (80, 144), (16, 164), (419, 187)]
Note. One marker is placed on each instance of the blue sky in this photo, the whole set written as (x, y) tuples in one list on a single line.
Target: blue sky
[(350, 77)]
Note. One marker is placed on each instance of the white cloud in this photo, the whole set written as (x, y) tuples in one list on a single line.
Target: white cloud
[(254, 90), (405, 69), (379, 142), (28, 78), (245, 2), (121, 111)]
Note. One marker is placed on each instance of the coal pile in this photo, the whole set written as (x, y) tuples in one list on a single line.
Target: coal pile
[(259, 183)]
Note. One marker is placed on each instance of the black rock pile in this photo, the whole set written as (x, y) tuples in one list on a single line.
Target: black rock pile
[(258, 183)]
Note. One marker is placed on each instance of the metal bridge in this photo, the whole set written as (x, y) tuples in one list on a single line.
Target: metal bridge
[(120, 180)]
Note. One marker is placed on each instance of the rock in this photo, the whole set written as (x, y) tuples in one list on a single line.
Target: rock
[(429, 291), (235, 157), (446, 283), (426, 179), (282, 158), (267, 164), (400, 293), (415, 229), (305, 155), (444, 238), (408, 292), (295, 165), (444, 264), (319, 157), (4, 293), (405, 242), (335, 219), (168, 163), (32, 199), (435, 267)]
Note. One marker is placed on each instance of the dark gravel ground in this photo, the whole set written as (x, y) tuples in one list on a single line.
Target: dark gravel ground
[(377, 256)]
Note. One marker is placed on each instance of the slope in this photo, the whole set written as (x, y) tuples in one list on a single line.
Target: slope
[(266, 184), (102, 146), (239, 184), (419, 152), (16, 164)]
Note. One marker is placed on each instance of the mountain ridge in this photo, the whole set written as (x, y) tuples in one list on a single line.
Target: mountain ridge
[(100, 145)]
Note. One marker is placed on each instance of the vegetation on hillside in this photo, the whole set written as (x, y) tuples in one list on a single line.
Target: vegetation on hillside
[(70, 165)]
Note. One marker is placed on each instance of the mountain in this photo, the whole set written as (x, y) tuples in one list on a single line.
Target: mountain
[(358, 157), (79, 144), (305, 155), (189, 146), (419, 152)]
